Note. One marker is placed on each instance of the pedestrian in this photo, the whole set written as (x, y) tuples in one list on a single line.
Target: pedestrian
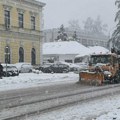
[(1, 71)]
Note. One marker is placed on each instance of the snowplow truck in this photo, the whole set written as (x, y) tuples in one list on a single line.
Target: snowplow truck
[(103, 68)]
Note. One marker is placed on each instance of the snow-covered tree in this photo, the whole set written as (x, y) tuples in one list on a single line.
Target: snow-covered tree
[(74, 37), (62, 35), (115, 39), (117, 19)]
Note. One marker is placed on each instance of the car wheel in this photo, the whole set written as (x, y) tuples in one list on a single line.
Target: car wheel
[(65, 71), (52, 72), (30, 71)]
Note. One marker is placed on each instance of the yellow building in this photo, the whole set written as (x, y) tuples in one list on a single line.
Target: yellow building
[(20, 31)]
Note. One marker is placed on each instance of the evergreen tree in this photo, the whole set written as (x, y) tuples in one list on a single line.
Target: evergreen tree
[(75, 36), (117, 19), (62, 34), (116, 34)]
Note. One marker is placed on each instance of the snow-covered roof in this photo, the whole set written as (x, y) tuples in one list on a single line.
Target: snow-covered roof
[(98, 49), (65, 47)]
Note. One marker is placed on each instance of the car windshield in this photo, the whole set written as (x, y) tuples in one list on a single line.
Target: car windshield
[(100, 59)]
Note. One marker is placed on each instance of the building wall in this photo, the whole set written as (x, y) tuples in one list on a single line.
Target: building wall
[(16, 37), (67, 58)]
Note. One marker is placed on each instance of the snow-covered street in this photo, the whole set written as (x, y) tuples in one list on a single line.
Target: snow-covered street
[(103, 109)]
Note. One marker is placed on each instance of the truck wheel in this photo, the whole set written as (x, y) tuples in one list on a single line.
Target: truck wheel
[(79, 79)]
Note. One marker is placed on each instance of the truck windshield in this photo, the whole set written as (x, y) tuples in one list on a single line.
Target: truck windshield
[(100, 59)]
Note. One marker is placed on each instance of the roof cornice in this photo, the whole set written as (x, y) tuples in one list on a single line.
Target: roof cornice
[(41, 4)]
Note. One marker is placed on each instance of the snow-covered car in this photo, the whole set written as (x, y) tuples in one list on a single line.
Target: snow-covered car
[(10, 70), (82, 67), (59, 68), (72, 66), (54, 68), (45, 68), (24, 67)]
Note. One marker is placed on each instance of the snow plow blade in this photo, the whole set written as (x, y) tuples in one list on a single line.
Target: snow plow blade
[(91, 78)]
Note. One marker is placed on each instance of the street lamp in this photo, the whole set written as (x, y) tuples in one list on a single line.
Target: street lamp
[(6, 57)]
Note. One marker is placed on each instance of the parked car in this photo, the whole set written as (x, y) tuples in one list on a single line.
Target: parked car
[(45, 68), (82, 67), (59, 68), (10, 70), (75, 67), (24, 67), (53, 68), (72, 66)]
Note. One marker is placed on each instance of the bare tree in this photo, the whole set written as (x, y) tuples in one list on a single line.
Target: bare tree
[(88, 24), (74, 25), (95, 26)]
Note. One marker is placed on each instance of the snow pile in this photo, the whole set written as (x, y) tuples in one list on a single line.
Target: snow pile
[(25, 80), (66, 47)]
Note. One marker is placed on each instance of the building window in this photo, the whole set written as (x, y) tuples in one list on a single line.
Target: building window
[(32, 22), (101, 43), (69, 61), (7, 54), (33, 56), (21, 21), (21, 54), (90, 43), (7, 19), (84, 41)]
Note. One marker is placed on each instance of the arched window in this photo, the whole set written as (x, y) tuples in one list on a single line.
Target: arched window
[(7, 54), (33, 56), (21, 54)]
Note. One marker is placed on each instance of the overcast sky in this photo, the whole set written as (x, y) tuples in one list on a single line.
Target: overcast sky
[(57, 12)]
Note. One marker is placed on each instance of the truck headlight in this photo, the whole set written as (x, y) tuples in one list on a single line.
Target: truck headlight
[(109, 75)]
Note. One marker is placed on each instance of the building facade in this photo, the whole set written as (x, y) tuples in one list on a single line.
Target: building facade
[(83, 37), (20, 31)]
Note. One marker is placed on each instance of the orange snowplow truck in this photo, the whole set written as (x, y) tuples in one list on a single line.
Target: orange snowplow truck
[(103, 68)]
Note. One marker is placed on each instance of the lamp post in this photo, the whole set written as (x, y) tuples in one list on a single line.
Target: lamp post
[(6, 57)]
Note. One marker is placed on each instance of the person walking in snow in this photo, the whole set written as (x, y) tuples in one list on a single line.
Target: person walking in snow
[(1, 71)]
